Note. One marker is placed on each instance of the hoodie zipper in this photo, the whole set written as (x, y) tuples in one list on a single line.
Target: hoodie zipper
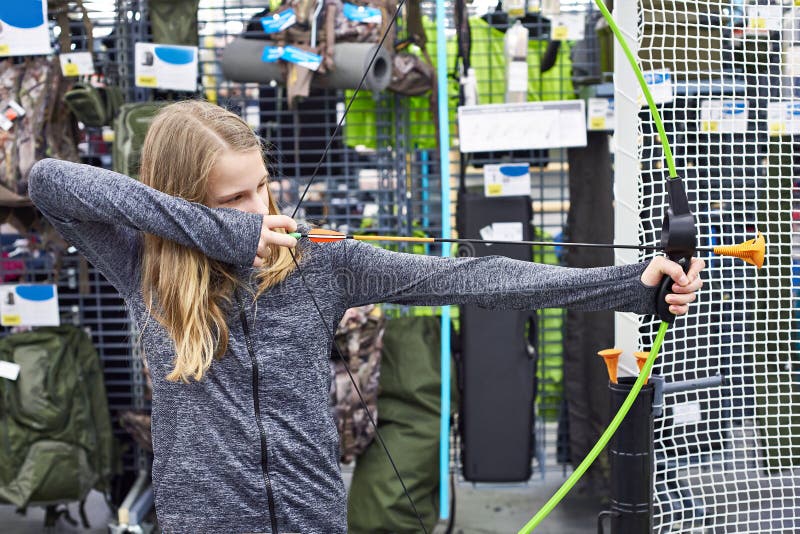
[(257, 407)]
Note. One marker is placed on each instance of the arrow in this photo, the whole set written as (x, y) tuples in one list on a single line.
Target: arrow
[(752, 251)]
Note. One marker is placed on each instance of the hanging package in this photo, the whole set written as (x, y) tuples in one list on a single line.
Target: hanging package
[(93, 106), (174, 21), (130, 127)]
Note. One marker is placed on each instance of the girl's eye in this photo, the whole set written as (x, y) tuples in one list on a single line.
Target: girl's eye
[(234, 199)]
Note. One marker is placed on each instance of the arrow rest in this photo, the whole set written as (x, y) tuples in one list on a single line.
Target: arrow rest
[(678, 239)]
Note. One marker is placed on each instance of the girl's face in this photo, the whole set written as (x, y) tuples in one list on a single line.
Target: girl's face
[(239, 180)]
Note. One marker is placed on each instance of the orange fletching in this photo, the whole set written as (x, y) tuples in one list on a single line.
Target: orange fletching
[(322, 235)]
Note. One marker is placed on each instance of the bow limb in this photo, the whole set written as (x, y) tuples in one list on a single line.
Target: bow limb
[(328, 330), (680, 245)]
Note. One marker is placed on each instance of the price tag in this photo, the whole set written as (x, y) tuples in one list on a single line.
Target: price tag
[(660, 84), (783, 118), (23, 28), (560, 33), (506, 180), (686, 413), (601, 114), (764, 18), (29, 305), (146, 81), (77, 64), (568, 27), (9, 370), (166, 66), (723, 116)]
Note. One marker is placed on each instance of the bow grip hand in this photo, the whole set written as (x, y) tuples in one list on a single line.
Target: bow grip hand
[(665, 288)]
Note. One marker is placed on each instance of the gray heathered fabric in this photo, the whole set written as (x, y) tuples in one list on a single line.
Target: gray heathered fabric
[(207, 474)]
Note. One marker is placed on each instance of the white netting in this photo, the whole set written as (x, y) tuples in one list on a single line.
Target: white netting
[(727, 458)]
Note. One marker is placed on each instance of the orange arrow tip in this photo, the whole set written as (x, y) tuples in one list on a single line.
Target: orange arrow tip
[(323, 235), (611, 357), (641, 359), (752, 251)]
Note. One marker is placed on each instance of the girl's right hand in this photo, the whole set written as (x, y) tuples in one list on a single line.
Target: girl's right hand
[(270, 237)]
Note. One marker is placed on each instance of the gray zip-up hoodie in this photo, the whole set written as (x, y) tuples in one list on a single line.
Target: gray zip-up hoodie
[(221, 442)]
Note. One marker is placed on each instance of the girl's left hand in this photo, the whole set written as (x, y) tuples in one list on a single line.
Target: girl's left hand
[(686, 284)]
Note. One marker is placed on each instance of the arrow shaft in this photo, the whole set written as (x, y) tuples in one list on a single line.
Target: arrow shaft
[(411, 239)]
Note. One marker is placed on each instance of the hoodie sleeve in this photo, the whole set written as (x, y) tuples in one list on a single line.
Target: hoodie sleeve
[(102, 214), (369, 274)]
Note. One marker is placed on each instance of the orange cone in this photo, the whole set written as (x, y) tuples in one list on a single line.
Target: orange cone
[(611, 357), (752, 251), (641, 359)]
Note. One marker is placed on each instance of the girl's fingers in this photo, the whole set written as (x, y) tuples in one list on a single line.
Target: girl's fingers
[(279, 221), (679, 310), (681, 300), (283, 240)]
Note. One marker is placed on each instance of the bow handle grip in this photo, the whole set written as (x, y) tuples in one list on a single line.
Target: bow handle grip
[(678, 239), (665, 288)]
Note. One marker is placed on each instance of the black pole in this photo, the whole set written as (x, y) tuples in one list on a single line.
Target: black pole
[(631, 459)]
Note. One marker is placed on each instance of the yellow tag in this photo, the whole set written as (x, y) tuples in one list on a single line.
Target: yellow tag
[(495, 189), (146, 81), (560, 33), (5, 50), (597, 123), (70, 69), (11, 319), (710, 126), (777, 128), (108, 135), (758, 23)]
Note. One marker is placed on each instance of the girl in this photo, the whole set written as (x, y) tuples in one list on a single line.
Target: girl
[(243, 439)]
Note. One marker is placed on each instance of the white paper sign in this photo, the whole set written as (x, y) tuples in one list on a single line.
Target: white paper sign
[(518, 77), (791, 61), (166, 66), (502, 231), (29, 305), (507, 231), (506, 180), (522, 126), (764, 19), (601, 114), (568, 27), (659, 82), (686, 413), (77, 64), (23, 28), (723, 116), (9, 370), (783, 118)]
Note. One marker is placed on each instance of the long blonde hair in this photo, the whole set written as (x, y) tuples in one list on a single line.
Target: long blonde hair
[(186, 291)]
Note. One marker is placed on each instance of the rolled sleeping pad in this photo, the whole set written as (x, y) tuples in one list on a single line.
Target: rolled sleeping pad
[(241, 62)]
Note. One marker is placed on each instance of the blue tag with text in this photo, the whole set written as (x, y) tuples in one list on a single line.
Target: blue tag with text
[(362, 14), (278, 21)]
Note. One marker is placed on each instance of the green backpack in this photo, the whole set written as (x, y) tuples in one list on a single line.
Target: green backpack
[(92, 105), (56, 441), (174, 21), (130, 127)]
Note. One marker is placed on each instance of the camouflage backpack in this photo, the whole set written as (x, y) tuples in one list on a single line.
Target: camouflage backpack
[(54, 419), (360, 340)]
